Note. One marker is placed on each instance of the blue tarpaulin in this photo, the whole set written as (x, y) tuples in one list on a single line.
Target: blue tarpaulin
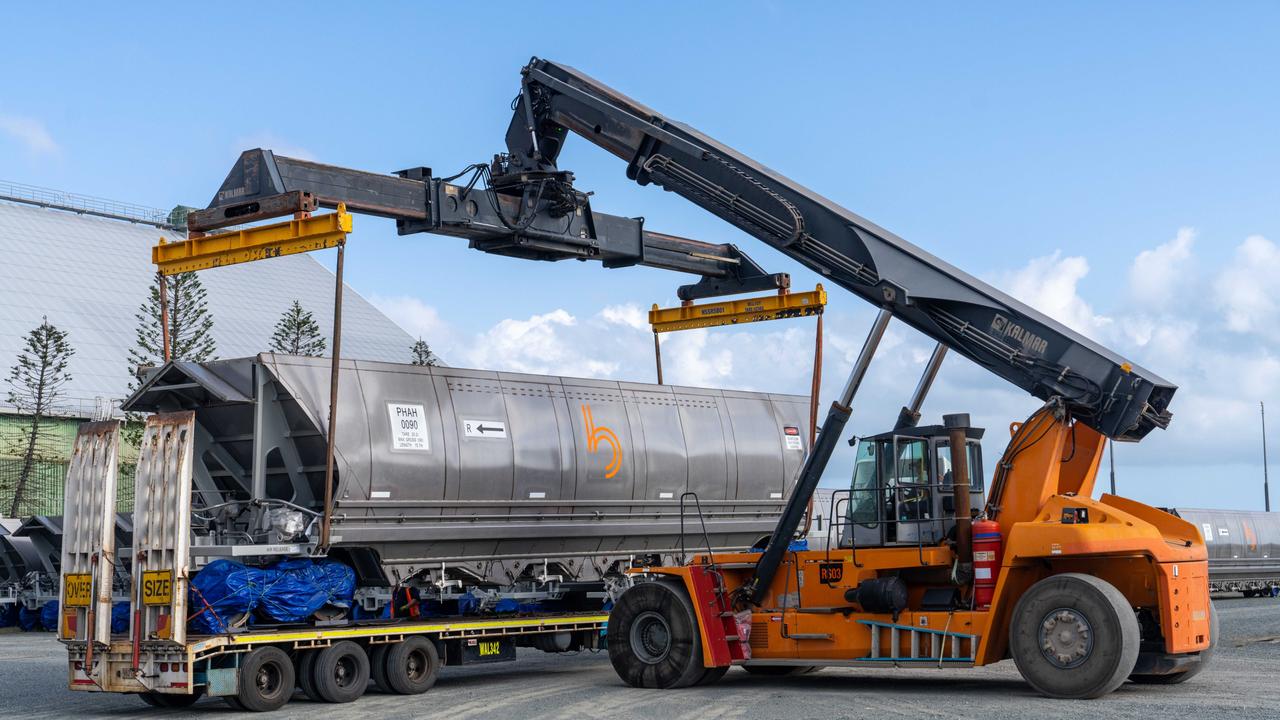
[(29, 619), (289, 591), (49, 615), (8, 615), (120, 617)]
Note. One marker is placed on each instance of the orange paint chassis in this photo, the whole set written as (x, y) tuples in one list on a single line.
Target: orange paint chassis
[(1051, 529)]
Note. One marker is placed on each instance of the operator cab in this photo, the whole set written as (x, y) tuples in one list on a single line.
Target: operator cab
[(902, 487)]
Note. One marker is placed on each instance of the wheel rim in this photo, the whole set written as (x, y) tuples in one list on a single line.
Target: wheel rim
[(1066, 638), (650, 637), (416, 666), (344, 671), (268, 679)]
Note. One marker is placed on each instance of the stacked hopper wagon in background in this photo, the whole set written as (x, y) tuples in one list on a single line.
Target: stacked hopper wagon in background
[(30, 561), (1244, 549), (458, 481)]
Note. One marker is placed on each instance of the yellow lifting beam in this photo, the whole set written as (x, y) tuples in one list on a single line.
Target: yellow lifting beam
[(305, 234), (779, 306)]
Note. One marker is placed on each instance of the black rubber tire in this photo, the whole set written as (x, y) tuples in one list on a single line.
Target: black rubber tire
[(412, 666), (266, 679), (341, 672), (1206, 656), (149, 699), (779, 670), (677, 660), (712, 675), (306, 676), (378, 666), (234, 703), (1112, 634)]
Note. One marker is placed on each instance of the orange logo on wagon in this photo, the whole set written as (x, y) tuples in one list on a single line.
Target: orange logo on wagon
[(596, 433)]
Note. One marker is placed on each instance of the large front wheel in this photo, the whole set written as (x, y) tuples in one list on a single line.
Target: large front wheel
[(1074, 636), (653, 637)]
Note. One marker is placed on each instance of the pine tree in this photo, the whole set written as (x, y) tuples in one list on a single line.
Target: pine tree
[(35, 385), (190, 325), (421, 354), (297, 333)]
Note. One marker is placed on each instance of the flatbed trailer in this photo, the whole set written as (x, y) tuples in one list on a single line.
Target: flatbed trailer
[(252, 667), (167, 674)]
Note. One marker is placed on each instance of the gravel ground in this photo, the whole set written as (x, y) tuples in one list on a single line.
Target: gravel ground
[(1241, 683)]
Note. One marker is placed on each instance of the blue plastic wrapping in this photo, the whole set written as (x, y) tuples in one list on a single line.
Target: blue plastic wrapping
[(9, 615), (28, 620), (49, 615), (290, 591), (221, 591), (297, 588), (120, 617)]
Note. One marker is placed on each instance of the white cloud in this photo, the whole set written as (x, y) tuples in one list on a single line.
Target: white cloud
[(268, 140), (1156, 274), (1049, 284), (629, 314), (1248, 289), (416, 317), (30, 133), (550, 344)]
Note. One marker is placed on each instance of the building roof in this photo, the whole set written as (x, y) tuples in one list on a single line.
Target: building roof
[(89, 275)]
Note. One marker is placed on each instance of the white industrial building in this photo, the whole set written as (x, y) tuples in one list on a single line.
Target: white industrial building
[(85, 263)]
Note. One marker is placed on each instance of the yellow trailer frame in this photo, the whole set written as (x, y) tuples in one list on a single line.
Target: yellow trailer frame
[(168, 668)]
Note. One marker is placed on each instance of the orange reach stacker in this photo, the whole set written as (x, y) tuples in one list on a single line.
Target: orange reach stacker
[(923, 569)]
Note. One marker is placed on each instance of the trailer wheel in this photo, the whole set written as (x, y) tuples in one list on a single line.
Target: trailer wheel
[(412, 666), (341, 672), (1206, 656), (378, 666), (1074, 636), (653, 637), (266, 679), (306, 674)]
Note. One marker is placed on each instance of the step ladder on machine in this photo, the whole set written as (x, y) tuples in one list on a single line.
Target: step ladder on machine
[(910, 645)]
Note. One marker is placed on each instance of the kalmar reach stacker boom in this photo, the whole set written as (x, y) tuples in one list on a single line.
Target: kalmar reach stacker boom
[(924, 570)]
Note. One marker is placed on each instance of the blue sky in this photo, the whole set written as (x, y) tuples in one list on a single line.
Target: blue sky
[(1115, 165)]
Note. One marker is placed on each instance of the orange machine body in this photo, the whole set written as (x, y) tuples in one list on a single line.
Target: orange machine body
[(1048, 525)]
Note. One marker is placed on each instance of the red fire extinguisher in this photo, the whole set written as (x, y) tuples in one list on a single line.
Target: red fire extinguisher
[(986, 561)]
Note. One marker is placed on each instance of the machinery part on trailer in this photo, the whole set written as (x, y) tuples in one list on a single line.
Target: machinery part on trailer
[(654, 640), (490, 473), (1159, 668), (340, 672), (1244, 549), (266, 679), (880, 595), (410, 667), (1074, 636)]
